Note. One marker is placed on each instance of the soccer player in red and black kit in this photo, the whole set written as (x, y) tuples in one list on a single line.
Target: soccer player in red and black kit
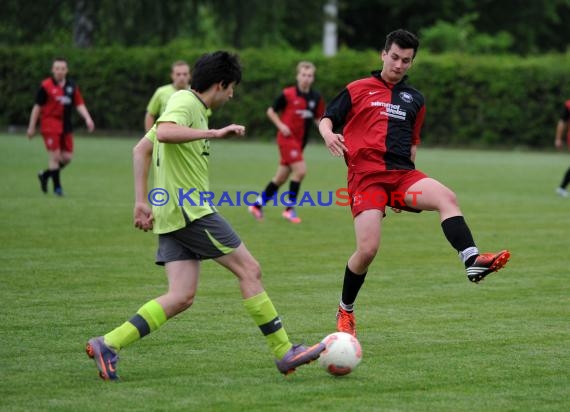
[(561, 130), (380, 120), (292, 113), (54, 103)]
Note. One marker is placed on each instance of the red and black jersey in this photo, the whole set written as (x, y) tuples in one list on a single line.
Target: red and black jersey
[(298, 110), (56, 104), (380, 123)]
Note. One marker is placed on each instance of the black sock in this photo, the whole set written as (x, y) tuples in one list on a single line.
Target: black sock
[(47, 174), (293, 192), (458, 234), (56, 181), (268, 193), (351, 286), (62, 165), (566, 179)]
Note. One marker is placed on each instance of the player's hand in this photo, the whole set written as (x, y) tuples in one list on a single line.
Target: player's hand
[(232, 129), (90, 125), (558, 144), (284, 129), (31, 132), (143, 217), (335, 144)]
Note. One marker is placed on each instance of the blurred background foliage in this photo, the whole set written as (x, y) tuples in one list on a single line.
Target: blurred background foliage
[(493, 73), (517, 26)]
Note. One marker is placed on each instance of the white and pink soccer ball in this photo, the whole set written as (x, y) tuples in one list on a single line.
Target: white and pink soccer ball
[(342, 354)]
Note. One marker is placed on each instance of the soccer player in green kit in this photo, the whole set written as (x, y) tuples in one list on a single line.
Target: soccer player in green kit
[(188, 231), (180, 75)]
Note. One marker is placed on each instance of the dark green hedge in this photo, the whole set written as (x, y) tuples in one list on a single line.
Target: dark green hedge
[(471, 101)]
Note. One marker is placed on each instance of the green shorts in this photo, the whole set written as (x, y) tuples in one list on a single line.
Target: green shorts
[(206, 238)]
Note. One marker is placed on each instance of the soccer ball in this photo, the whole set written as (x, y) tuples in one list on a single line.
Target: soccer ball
[(341, 355)]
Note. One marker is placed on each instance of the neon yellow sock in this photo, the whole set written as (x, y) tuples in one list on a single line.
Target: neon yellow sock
[(261, 309), (148, 318)]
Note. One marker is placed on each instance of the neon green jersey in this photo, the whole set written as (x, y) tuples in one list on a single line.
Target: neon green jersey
[(158, 101), (181, 169)]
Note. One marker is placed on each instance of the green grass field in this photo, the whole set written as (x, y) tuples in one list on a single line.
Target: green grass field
[(75, 267)]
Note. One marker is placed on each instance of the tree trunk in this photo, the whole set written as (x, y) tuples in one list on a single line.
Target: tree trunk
[(330, 38), (83, 26)]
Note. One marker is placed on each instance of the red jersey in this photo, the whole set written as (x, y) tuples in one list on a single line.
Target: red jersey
[(56, 103), (298, 110), (380, 123)]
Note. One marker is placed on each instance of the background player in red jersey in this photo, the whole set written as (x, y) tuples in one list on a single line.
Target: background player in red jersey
[(292, 113), (381, 118), (561, 130), (53, 106)]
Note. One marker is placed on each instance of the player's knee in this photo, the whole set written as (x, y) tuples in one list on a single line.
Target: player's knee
[(279, 180), (252, 270), (449, 198), (183, 301), (249, 271), (298, 176), (368, 253)]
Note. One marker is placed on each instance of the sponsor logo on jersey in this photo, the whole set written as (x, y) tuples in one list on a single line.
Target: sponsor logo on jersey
[(391, 110), (406, 97)]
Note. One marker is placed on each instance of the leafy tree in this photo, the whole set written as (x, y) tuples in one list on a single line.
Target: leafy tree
[(535, 26), (365, 23), (40, 22), (144, 22), (461, 36), (538, 25)]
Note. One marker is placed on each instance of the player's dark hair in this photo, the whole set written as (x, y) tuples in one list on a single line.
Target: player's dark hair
[(212, 68), (403, 39)]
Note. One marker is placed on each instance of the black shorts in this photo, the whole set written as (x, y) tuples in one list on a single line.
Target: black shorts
[(209, 237)]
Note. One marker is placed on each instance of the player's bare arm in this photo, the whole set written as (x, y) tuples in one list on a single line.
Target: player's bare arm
[(82, 109), (149, 120), (560, 129), (413, 152), (334, 141), (142, 156), (34, 116), (232, 129), (168, 132), (276, 120)]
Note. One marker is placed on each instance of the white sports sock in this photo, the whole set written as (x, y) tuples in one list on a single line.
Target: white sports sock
[(467, 253), (348, 308)]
